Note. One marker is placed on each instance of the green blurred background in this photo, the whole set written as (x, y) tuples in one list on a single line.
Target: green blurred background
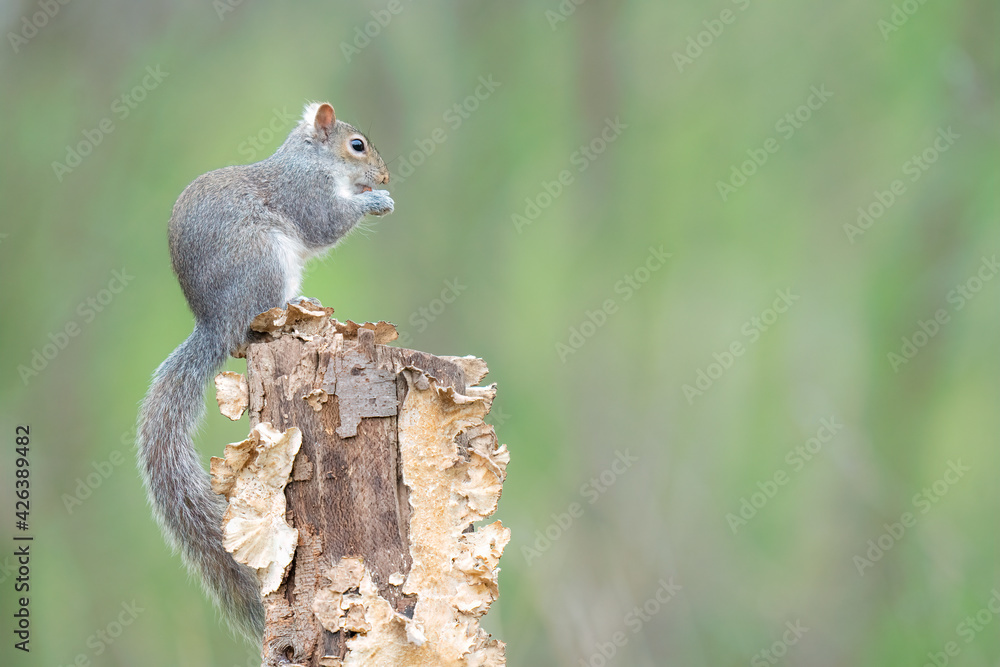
[(697, 90)]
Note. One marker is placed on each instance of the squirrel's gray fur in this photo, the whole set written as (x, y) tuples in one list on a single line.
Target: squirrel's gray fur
[(239, 237)]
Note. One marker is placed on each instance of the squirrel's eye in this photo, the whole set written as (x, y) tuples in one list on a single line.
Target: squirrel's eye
[(358, 145)]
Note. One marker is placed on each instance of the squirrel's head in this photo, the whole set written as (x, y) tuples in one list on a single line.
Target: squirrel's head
[(347, 146)]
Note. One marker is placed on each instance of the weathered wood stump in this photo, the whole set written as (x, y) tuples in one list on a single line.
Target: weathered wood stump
[(356, 495)]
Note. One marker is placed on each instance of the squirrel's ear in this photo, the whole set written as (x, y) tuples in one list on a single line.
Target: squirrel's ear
[(325, 119)]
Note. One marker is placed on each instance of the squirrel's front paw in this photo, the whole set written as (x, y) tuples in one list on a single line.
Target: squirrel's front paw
[(377, 202)]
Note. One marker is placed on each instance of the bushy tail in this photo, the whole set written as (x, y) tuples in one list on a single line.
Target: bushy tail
[(178, 486)]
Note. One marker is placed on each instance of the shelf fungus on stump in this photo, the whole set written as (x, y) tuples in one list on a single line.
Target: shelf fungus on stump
[(389, 467), (252, 476)]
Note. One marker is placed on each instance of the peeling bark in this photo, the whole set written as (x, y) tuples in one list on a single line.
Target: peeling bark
[(394, 469), (232, 394)]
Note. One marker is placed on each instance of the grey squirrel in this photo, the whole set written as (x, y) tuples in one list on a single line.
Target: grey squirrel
[(239, 238)]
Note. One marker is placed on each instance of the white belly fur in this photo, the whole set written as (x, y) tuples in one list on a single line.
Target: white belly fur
[(292, 256)]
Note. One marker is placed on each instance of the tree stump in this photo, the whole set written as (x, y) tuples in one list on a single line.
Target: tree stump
[(357, 493)]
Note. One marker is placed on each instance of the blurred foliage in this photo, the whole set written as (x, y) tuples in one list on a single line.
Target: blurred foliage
[(233, 77)]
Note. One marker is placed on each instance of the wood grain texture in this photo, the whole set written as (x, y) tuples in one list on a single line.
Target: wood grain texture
[(347, 497)]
